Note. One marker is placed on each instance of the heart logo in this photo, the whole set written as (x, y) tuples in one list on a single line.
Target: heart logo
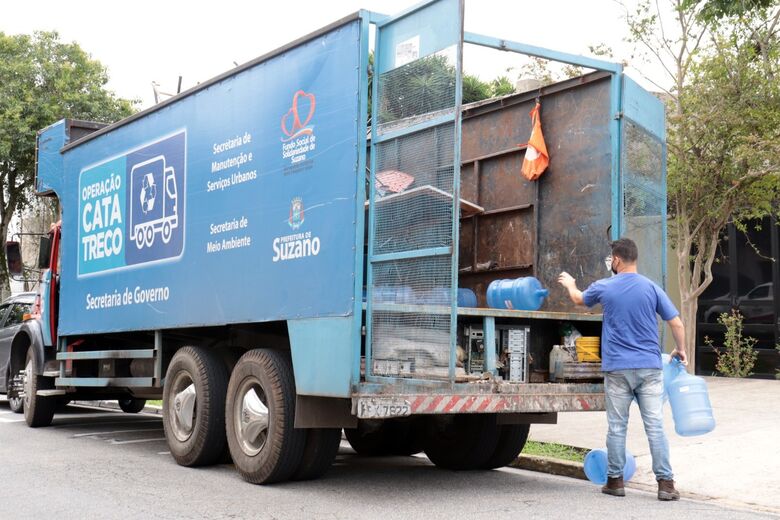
[(291, 121)]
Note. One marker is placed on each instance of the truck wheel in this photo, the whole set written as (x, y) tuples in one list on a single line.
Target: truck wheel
[(38, 410), (16, 404), (389, 437), (194, 406), (260, 418), (166, 232), (461, 442), (149, 235), (322, 445), (131, 405), (369, 439), (511, 440), (139, 238)]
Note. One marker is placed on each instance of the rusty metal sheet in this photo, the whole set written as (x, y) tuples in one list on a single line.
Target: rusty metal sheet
[(564, 229)]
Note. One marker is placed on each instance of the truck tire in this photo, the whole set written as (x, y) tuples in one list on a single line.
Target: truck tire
[(16, 404), (322, 445), (38, 410), (461, 442), (260, 418), (368, 439), (194, 406), (131, 405), (389, 437), (511, 440)]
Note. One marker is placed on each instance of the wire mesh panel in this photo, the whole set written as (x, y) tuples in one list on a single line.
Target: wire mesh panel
[(644, 198), (414, 197)]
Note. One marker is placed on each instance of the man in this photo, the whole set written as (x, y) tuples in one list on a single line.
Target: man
[(631, 360)]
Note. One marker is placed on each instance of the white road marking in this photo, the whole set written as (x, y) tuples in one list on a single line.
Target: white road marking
[(163, 453), (135, 441), (91, 434), (6, 420)]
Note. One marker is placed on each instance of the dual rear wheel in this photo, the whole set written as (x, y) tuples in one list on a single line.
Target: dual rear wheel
[(249, 414)]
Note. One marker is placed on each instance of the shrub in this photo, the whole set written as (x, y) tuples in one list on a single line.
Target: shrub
[(737, 357)]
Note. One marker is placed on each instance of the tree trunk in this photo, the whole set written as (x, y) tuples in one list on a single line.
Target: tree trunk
[(689, 309)]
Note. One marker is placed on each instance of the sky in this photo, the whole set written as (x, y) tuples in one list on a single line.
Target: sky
[(144, 41)]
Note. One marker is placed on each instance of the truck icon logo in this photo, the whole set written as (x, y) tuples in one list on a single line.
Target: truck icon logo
[(148, 216)]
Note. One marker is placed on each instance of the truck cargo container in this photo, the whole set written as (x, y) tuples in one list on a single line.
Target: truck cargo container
[(274, 268)]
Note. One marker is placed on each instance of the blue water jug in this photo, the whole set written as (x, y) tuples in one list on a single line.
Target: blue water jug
[(522, 294), (595, 466), (397, 295), (670, 372), (466, 298), (690, 402), (441, 296)]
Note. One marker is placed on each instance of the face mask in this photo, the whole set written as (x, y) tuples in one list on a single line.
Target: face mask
[(610, 266)]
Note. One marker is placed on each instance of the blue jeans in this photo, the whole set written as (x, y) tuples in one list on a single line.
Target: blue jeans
[(647, 386)]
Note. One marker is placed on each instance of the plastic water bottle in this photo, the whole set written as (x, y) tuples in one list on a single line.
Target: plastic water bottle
[(596, 464), (557, 357), (690, 402), (523, 294)]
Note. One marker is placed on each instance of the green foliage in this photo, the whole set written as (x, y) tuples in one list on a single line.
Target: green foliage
[(555, 451), (777, 347), (737, 357), (43, 80), (428, 84), (501, 86), (474, 89), (712, 10)]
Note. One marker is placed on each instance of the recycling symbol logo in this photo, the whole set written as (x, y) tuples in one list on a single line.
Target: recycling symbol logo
[(148, 193)]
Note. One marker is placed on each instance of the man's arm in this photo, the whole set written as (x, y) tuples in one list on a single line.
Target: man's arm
[(678, 332), (570, 284)]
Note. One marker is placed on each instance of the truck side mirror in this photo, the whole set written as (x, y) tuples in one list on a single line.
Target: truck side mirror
[(13, 257), (44, 253)]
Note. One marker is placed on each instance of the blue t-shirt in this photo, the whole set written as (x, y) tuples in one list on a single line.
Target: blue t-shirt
[(629, 334)]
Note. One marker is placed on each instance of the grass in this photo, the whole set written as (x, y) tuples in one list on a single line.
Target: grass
[(154, 403), (555, 451)]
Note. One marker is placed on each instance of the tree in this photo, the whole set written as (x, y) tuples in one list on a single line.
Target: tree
[(724, 114), (42, 80)]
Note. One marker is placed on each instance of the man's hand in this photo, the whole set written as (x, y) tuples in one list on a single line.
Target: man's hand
[(570, 284), (567, 280), (680, 354)]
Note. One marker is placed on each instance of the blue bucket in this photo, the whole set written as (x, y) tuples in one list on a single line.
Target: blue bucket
[(595, 466)]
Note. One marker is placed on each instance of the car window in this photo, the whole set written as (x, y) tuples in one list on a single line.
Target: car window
[(3, 308), (759, 292), (16, 313)]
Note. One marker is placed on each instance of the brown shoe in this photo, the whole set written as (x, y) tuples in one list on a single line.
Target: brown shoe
[(614, 487), (666, 490)]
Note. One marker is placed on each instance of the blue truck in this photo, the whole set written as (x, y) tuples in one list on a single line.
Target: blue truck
[(277, 268)]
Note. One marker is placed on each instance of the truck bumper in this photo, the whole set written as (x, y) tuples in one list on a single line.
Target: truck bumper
[(373, 401)]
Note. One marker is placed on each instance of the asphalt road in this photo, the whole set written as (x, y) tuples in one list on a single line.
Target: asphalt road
[(100, 464)]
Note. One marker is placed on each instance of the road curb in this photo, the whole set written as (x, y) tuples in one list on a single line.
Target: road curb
[(113, 405), (549, 465)]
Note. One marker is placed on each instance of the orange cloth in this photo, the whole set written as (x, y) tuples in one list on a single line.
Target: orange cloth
[(536, 157)]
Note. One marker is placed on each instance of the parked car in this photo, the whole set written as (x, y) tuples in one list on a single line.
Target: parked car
[(759, 310), (12, 313)]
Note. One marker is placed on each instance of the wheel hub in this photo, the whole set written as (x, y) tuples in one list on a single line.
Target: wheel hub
[(253, 420), (184, 403), (28, 385)]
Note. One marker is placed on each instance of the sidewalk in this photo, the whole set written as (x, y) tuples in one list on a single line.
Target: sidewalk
[(736, 464)]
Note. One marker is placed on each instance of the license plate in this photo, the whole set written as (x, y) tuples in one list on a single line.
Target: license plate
[(382, 408)]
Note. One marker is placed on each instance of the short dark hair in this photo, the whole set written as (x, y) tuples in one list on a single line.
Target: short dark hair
[(625, 249)]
